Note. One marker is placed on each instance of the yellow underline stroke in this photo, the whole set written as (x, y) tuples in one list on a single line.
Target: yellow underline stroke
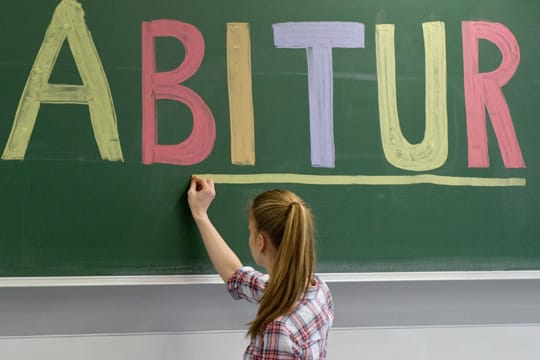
[(363, 180)]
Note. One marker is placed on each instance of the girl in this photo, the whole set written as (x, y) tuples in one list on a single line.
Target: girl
[(296, 309)]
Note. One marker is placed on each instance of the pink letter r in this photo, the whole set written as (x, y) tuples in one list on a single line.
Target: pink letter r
[(485, 90)]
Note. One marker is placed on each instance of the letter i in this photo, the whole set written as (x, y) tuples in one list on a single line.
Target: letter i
[(240, 94)]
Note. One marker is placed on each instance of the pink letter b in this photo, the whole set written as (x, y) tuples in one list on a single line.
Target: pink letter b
[(166, 85)]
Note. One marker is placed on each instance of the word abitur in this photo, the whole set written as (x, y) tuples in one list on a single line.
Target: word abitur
[(482, 91)]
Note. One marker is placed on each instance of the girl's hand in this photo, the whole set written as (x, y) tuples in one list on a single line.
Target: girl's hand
[(201, 193)]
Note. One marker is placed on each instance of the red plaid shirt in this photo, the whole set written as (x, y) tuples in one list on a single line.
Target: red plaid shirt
[(299, 335)]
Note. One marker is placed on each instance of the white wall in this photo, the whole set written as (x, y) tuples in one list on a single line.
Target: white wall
[(405, 320), (478, 343)]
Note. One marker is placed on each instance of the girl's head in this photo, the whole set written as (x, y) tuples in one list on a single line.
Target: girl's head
[(284, 224)]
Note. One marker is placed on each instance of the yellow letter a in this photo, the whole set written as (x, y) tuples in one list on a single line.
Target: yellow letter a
[(67, 23)]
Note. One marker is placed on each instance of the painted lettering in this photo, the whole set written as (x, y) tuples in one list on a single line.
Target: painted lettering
[(432, 152), (67, 23), (166, 85), (240, 94), (319, 38), (484, 90)]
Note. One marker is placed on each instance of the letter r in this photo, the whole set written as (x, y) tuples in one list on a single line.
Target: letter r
[(484, 91)]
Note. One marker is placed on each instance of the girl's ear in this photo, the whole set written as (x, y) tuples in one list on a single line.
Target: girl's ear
[(262, 242)]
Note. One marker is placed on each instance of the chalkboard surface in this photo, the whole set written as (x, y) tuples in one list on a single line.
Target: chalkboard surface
[(411, 128)]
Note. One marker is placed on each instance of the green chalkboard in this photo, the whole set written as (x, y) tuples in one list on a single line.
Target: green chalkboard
[(68, 207)]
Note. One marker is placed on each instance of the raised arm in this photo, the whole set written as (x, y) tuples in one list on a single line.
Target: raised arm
[(201, 193)]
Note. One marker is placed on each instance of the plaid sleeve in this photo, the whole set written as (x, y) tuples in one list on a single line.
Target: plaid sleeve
[(279, 344), (247, 284)]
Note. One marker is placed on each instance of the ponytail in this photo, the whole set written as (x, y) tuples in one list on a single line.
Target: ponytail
[(288, 222)]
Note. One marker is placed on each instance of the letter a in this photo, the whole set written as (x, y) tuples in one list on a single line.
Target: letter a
[(67, 23)]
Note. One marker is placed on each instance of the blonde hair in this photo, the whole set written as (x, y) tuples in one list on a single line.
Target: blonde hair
[(288, 222)]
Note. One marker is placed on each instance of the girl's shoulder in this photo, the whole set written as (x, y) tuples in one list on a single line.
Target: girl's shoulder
[(318, 287), (247, 283)]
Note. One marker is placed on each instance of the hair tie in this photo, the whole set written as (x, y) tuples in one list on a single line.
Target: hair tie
[(294, 203)]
